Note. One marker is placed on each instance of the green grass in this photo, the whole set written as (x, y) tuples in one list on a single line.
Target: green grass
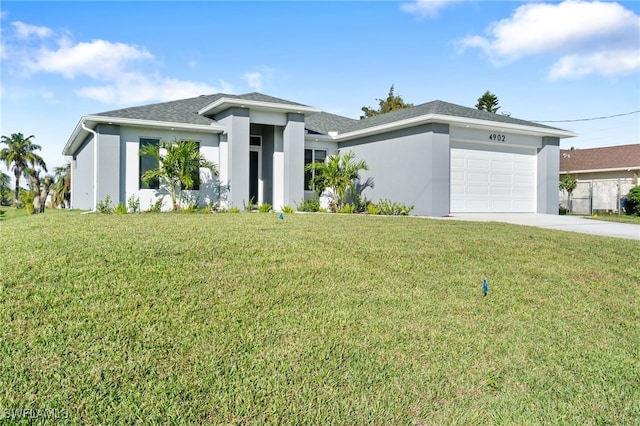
[(615, 218), (317, 319)]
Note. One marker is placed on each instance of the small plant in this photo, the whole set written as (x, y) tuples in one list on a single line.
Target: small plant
[(120, 209), (134, 204), (347, 208), (392, 208), (213, 206), (157, 206), (250, 206), (105, 207), (192, 207), (372, 209), (265, 208), (234, 210), (26, 201), (287, 209), (632, 204), (311, 205)]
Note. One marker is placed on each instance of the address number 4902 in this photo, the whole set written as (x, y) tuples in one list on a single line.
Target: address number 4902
[(496, 137)]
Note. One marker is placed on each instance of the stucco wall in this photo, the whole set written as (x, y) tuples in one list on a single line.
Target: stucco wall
[(82, 176), (409, 166)]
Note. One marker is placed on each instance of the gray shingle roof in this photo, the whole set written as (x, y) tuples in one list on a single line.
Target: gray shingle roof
[(324, 122)]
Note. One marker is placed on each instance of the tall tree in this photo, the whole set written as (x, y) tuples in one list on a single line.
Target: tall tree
[(5, 191), (178, 167), (391, 103), (337, 174), (62, 186), (568, 184), (488, 102), (17, 155)]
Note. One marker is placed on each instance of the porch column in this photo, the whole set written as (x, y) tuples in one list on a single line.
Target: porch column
[(293, 160), (234, 166), (548, 176)]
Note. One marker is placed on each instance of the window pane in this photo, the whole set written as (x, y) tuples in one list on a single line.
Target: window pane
[(308, 159), (255, 140), (148, 162)]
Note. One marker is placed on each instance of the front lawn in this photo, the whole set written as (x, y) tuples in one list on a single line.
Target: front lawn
[(617, 218), (316, 319)]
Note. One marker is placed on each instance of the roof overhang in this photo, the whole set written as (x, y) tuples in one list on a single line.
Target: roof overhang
[(225, 103), (613, 169), (459, 121), (91, 121)]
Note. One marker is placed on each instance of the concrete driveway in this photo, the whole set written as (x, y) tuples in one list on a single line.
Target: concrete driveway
[(562, 223)]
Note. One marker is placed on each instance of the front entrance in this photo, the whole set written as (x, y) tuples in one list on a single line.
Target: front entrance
[(255, 170)]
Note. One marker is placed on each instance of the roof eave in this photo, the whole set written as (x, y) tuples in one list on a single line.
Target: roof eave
[(91, 121), (612, 169), (469, 122), (224, 103)]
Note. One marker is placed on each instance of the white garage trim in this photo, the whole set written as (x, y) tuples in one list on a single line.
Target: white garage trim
[(492, 178)]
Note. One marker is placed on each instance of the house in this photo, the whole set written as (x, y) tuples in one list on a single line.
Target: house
[(604, 176), (440, 157)]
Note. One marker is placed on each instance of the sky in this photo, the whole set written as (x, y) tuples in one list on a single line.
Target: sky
[(545, 60)]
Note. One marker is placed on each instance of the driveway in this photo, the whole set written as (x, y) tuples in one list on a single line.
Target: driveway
[(562, 223)]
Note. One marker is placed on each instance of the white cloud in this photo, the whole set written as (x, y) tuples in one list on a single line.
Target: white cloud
[(575, 31), (254, 80), (427, 8), (25, 30)]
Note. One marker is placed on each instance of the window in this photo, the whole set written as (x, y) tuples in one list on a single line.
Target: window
[(255, 140), (148, 162), (310, 156)]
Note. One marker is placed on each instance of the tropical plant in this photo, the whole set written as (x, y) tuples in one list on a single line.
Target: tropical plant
[(391, 103), (17, 155), (179, 164), (156, 207), (310, 205), (120, 208), (40, 186), (265, 208), (105, 206), (337, 174), (133, 204), (488, 102), (393, 208), (632, 205), (62, 186), (287, 209), (568, 184), (5, 190)]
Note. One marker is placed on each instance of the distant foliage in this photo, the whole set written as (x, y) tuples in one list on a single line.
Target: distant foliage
[(632, 206), (488, 102), (391, 103)]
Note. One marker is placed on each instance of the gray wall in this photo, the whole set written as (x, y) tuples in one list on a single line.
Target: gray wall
[(236, 122), (409, 166), (82, 176), (109, 160), (548, 169), (293, 148)]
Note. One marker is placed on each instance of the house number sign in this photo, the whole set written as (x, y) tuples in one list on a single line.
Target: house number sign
[(497, 137)]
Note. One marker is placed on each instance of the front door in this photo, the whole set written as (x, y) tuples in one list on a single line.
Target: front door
[(255, 171)]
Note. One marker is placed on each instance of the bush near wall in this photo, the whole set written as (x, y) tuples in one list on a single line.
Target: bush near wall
[(632, 206)]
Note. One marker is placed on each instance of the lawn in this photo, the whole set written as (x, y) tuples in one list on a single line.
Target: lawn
[(315, 319), (617, 218)]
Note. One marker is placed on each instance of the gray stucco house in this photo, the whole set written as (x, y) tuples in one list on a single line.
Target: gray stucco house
[(440, 157)]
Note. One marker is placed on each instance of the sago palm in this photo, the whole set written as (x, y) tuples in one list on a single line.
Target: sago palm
[(18, 155), (336, 174)]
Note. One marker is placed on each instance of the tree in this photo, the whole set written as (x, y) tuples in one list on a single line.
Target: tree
[(488, 102), (178, 167), (18, 154), (568, 184), (337, 174), (62, 186), (40, 186), (632, 205), (5, 189), (392, 103)]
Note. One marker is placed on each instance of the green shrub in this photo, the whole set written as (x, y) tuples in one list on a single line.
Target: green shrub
[(234, 210), (287, 209), (392, 208), (157, 206), (26, 201), (632, 206), (311, 205), (120, 209), (134, 204), (372, 209), (104, 207), (192, 207), (265, 208), (250, 206), (347, 208)]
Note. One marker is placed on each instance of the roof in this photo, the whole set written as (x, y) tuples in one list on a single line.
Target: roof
[(594, 159), (324, 122)]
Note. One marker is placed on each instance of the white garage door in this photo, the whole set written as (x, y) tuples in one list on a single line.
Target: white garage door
[(492, 179)]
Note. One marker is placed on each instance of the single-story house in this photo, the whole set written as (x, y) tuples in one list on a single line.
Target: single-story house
[(440, 157), (604, 177)]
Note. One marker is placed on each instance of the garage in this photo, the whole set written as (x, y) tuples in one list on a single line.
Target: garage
[(492, 178)]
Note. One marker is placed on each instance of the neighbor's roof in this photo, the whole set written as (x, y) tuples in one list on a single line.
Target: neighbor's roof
[(607, 158)]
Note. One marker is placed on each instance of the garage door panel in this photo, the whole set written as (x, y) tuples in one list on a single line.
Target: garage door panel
[(484, 180)]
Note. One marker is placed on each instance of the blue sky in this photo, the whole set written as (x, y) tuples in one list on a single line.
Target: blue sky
[(545, 60)]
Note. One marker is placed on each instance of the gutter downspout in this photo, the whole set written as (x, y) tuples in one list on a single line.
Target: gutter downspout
[(95, 165)]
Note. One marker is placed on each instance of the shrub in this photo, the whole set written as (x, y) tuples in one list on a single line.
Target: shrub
[(250, 206), (632, 206), (157, 206), (120, 209), (287, 209), (265, 208), (311, 205), (392, 208), (347, 208), (26, 201), (134, 204), (192, 207), (372, 209), (105, 207), (234, 210)]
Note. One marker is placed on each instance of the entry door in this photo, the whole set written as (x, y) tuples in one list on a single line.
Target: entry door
[(255, 175)]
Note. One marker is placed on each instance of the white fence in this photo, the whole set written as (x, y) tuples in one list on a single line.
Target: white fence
[(596, 196)]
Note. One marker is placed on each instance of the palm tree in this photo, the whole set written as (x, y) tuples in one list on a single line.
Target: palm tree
[(336, 174), (18, 154), (4, 187), (178, 167), (488, 102), (62, 186)]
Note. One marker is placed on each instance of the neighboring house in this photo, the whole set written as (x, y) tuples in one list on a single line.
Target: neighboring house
[(604, 175), (440, 157)]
